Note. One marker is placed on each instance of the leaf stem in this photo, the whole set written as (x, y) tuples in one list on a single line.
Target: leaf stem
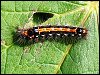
[(65, 53)]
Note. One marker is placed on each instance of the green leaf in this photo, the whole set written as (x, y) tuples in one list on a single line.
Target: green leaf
[(84, 55), (54, 56)]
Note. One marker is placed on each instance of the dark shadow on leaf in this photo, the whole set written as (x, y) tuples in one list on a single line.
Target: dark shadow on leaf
[(40, 17)]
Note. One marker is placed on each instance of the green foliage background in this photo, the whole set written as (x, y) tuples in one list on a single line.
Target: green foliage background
[(53, 57)]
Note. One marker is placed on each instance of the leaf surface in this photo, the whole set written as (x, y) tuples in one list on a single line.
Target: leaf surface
[(80, 57)]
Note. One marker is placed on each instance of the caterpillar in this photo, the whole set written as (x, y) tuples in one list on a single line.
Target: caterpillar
[(42, 32)]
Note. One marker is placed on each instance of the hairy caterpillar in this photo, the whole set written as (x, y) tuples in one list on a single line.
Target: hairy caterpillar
[(42, 32)]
